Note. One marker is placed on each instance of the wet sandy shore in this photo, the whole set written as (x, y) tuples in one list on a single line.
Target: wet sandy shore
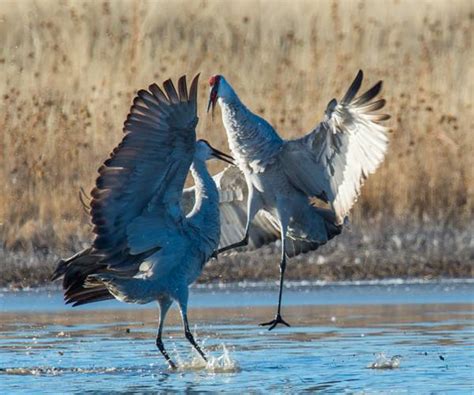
[(391, 250)]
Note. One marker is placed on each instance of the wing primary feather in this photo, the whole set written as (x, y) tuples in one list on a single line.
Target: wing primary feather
[(354, 88), (171, 91), (331, 107), (82, 198), (183, 89), (194, 88), (373, 106), (378, 117), (369, 95), (158, 93)]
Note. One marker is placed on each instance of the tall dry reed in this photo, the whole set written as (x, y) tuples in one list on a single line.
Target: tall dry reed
[(69, 70)]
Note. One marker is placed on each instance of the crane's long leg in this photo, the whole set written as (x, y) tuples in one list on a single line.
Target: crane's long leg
[(278, 320), (241, 243), (165, 304), (253, 205), (187, 331)]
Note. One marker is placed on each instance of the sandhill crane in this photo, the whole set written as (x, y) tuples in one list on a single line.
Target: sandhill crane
[(145, 248), (286, 177)]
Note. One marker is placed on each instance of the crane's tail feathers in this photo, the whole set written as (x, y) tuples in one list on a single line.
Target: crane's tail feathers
[(75, 271), (98, 294), (312, 241), (63, 264), (87, 276)]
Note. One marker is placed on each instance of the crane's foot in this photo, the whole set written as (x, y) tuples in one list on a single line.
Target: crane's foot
[(160, 346), (275, 322)]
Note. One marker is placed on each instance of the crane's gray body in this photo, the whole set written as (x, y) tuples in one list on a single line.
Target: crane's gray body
[(169, 272), (286, 178), (258, 151), (146, 248)]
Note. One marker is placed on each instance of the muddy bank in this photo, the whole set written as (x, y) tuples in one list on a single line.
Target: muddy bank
[(373, 251)]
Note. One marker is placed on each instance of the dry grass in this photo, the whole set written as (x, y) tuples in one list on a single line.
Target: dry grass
[(70, 68)]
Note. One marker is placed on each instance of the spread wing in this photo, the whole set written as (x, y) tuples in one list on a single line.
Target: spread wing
[(333, 160), (144, 177), (233, 194)]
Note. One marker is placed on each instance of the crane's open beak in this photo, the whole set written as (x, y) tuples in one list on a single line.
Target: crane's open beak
[(222, 156), (212, 98)]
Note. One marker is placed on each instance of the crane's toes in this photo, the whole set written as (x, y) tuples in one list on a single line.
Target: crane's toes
[(172, 365), (275, 322)]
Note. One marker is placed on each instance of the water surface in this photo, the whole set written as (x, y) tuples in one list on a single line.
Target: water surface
[(337, 334)]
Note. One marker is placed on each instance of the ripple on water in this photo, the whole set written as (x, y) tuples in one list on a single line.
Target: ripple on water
[(54, 371), (328, 348)]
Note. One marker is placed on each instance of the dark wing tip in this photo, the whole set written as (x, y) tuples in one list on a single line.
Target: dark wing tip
[(383, 117), (140, 94), (330, 107), (354, 88), (369, 95), (158, 93), (59, 271), (171, 91), (377, 87), (182, 88), (194, 88)]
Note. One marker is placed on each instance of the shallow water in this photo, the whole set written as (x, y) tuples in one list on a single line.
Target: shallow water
[(414, 338)]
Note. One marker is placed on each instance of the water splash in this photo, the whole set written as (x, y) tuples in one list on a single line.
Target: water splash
[(221, 364), (384, 362)]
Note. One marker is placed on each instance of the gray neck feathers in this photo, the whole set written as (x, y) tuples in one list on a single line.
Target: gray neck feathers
[(253, 141), (205, 213)]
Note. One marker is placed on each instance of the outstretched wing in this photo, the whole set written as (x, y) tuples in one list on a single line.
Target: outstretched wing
[(233, 194), (138, 186), (146, 170), (333, 161)]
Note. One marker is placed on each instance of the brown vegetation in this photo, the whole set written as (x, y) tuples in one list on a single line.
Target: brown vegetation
[(70, 69)]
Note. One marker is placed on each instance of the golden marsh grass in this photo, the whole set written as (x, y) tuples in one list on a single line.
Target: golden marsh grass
[(70, 69)]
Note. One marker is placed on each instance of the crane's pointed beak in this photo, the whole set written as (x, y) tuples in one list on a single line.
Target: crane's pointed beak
[(212, 99), (222, 156)]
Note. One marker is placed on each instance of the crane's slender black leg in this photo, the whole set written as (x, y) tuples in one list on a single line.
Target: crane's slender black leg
[(241, 243), (253, 205), (187, 332), (164, 307), (190, 338), (278, 319)]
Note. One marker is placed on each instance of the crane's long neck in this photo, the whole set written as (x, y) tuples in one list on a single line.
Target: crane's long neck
[(253, 141), (205, 213)]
